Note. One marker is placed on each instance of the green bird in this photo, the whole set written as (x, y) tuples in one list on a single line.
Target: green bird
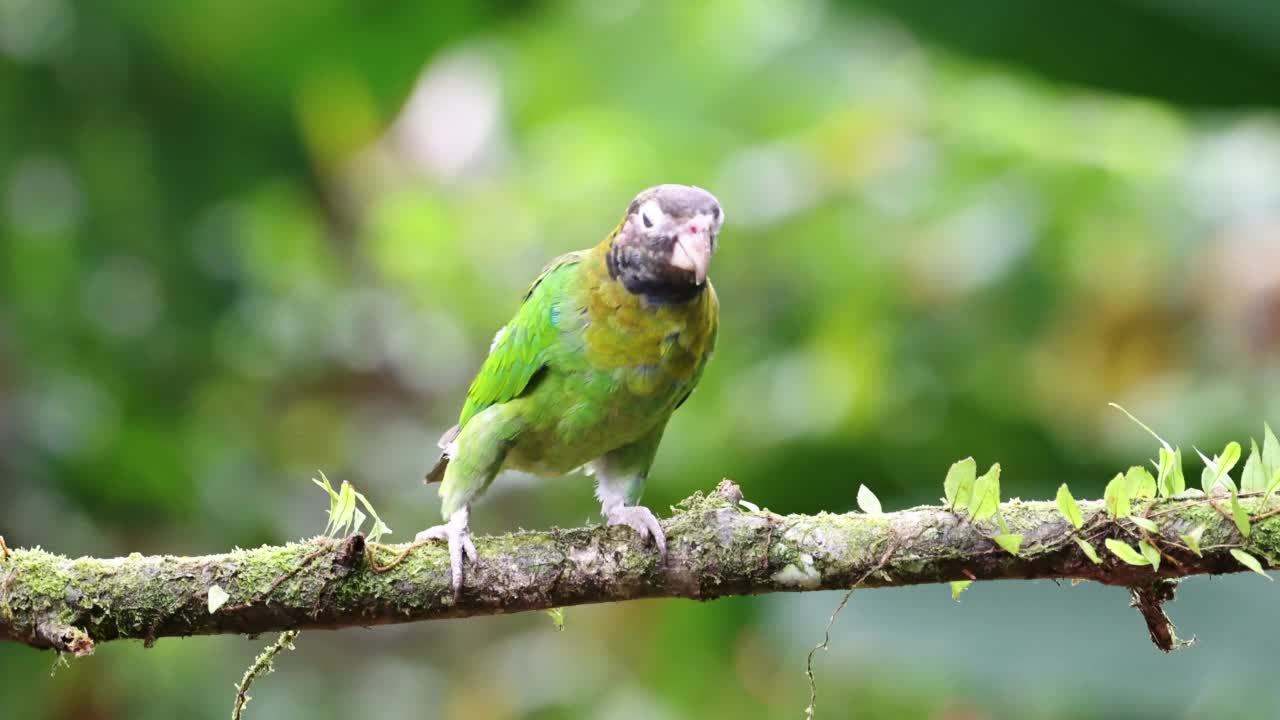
[(608, 342)]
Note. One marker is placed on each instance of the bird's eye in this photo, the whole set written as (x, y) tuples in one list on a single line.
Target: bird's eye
[(647, 222), (715, 213)]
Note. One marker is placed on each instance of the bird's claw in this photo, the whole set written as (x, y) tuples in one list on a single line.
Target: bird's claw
[(642, 520), (458, 534)]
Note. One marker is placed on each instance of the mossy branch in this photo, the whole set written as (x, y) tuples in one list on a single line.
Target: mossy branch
[(717, 548)]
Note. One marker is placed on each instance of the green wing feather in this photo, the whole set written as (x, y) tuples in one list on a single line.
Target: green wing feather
[(522, 348)]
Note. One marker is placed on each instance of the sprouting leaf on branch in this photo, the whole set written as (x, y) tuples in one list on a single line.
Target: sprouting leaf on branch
[(959, 586), (1116, 497), (1142, 425), (1250, 562), (1230, 456), (1125, 552), (1000, 523), (1144, 523), (1177, 479), (1140, 482), (1252, 478), (1270, 453), (557, 617), (1192, 539), (1087, 548), (867, 501), (345, 518), (1239, 515), (217, 598), (958, 487), (1219, 468), (345, 515), (1270, 461), (1068, 507), (379, 528), (1169, 478), (986, 494), (1011, 543), (1151, 554), (334, 500), (1272, 486)]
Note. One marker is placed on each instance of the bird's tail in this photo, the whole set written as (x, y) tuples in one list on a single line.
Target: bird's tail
[(436, 474)]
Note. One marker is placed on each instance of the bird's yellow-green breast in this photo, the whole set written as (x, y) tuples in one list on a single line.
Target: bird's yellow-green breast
[(620, 364)]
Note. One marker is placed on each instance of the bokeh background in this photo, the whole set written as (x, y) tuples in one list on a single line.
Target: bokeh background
[(241, 242)]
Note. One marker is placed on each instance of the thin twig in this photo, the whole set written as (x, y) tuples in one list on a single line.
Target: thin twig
[(275, 584), (1256, 518), (261, 666), (812, 708), (399, 558)]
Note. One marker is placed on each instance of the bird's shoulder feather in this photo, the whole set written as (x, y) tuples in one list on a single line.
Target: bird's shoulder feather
[(520, 349)]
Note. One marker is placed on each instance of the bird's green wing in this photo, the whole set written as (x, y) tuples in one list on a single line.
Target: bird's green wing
[(520, 350)]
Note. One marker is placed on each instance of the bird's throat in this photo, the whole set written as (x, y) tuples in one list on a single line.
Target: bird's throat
[(649, 275)]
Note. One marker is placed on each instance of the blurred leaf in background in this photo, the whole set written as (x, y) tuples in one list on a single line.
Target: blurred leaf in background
[(241, 241)]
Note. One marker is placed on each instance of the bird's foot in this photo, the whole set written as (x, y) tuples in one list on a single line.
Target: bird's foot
[(457, 533), (642, 520)]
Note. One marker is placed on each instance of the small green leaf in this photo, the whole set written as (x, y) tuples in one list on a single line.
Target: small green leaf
[(1000, 523), (343, 515), (1270, 452), (1068, 507), (1273, 485), (959, 586), (1229, 457), (1219, 468), (1116, 496), (1253, 479), (1163, 467), (986, 494), (217, 598), (1239, 515), (1177, 480), (1087, 548), (323, 484), (1125, 552), (1142, 425), (1150, 553), (379, 528), (1249, 561), (1141, 484), (867, 501), (1011, 543), (1192, 539), (557, 617), (1144, 523), (958, 487)]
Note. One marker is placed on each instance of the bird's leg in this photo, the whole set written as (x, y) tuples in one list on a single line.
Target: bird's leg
[(614, 493), (457, 532)]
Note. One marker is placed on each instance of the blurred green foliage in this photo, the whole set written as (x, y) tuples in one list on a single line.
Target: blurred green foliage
[(240, 242)]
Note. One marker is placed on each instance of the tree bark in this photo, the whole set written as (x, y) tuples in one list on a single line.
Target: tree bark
[(717, 547)]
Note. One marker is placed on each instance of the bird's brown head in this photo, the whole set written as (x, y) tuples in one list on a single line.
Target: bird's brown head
[(664, 246)]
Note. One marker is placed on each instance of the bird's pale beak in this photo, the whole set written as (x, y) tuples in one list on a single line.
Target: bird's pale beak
[(692, 252)]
